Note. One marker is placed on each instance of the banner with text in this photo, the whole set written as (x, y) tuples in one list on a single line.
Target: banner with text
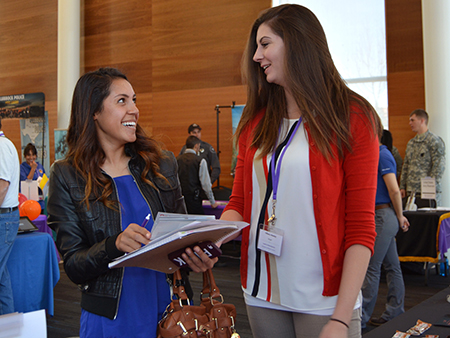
[(22, 106)]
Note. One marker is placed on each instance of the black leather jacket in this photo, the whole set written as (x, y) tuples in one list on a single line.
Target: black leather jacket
[(86, 238)]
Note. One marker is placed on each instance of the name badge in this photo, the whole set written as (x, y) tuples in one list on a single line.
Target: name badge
[(271, 241)]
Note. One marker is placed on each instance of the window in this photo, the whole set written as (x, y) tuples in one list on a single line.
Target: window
[(356, 37)]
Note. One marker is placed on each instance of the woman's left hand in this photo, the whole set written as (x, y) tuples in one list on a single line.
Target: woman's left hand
[(334, 330), (198, 261)]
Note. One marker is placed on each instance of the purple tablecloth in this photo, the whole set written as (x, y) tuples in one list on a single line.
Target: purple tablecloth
[(214, 211), (444, 234), (41, 223)]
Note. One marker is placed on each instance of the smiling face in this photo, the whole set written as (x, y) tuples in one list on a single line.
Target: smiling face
[(116, 123), (270, 54), (30, 158)]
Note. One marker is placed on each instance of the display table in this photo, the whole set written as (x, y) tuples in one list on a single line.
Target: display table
[(420, 242), (34, 272), (430, 311), (41, 223)]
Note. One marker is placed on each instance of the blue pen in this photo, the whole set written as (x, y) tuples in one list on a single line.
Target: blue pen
[(146, 219)]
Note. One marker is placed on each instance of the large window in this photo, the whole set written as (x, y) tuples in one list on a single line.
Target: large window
[(356, 37)]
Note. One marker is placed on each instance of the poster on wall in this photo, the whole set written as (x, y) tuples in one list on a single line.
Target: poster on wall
[(22, 106), (61, 146), (35, 130), (236, 113)]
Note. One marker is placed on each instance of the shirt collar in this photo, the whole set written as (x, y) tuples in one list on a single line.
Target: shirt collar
[(190, 151)]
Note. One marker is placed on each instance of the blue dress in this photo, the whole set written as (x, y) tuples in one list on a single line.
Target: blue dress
[(145, 293), (25, 169)]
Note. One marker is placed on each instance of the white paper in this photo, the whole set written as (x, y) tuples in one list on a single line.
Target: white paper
[(166, 222), (24, 325), (35, 325), (270, 242), (30, 189), (428, 188)]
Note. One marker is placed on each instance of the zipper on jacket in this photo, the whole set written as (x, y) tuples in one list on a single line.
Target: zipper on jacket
[(123, 269), (143, 196)]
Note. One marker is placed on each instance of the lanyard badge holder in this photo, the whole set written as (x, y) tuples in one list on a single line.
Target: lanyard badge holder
[(270, 238)]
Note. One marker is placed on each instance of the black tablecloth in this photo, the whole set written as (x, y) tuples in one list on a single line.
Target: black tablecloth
[(431, 311), (419, 242)]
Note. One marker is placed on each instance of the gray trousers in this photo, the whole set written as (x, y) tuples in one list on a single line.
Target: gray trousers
[(385, 252), (269, 323)]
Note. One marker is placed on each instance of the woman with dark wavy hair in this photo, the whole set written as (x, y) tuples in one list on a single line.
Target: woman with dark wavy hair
[(31, 169), (305, 180), (112, 177)]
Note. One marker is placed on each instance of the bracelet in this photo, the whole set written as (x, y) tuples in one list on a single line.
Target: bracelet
[(339, 321)]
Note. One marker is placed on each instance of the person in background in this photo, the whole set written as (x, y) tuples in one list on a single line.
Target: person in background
[(111, 179), (398, 161), (194, 176), (206, 151), (9, 216), (424, 157), (306, 179), (31, 169), (388, 218)]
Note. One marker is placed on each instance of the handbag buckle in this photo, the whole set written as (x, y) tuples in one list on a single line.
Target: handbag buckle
[(206, 331), (212, 300), (180, 324)]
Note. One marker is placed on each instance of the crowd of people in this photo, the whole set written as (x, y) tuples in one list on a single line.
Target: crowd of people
[(316, 174)]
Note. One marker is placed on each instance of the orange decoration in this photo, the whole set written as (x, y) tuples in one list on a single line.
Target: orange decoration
[(31, 209)]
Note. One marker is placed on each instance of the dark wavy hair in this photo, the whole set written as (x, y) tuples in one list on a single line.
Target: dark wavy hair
[(386, 139), (85, 152), (319, 91), (29, 148)]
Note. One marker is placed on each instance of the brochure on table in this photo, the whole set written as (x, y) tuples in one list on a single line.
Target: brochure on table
[(172, 232)]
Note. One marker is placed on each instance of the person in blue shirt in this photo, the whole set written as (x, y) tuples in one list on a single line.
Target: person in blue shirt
[(112, 178), (388, 218), (31, 169)]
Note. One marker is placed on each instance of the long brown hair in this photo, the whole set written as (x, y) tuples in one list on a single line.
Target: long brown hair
[(319, 91), (85, 152)]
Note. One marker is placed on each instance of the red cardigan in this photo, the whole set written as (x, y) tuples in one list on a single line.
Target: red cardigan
[(343, 196)]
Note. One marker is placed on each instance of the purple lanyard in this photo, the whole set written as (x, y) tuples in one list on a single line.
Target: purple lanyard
[(1, 133), (275, 172)]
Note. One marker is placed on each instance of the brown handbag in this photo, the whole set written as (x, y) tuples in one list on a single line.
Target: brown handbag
[(211, 319)]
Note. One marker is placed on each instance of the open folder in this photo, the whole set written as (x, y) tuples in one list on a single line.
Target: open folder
[(172, 232)]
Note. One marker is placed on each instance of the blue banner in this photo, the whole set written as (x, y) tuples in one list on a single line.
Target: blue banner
[(236, 113)]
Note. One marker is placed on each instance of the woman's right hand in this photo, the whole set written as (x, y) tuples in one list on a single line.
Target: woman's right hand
[(33, 166), (132, 238), (404, 223)]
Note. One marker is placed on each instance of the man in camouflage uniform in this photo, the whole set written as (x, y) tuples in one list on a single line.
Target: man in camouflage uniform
[(425, 157)]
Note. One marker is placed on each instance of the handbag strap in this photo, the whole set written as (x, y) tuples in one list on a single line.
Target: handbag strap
[(178, 287), (209, 285)]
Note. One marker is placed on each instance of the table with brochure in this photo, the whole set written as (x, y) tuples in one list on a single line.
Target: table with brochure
[(434, 310)]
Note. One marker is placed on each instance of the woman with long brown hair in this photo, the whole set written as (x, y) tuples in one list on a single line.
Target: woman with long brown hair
[(305, 181), (112, 178)]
